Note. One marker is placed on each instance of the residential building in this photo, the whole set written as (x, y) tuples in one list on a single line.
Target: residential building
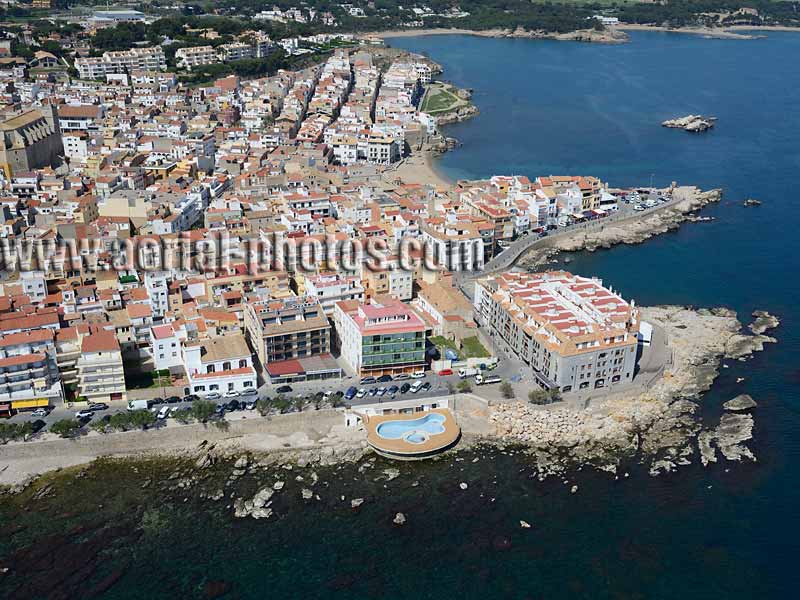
[(571, 331), (101, 376)]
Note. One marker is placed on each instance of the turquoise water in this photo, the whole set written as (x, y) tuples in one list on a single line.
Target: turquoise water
[(728, 531), (393, 430)]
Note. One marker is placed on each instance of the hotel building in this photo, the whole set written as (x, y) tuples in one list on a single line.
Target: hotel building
[(571, 331)]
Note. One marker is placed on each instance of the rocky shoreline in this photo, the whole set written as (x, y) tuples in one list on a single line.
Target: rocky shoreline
[(633, 231), (691, 123), (659, 427)]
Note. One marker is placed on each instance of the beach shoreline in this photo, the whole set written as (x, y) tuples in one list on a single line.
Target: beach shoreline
[(419, 169)]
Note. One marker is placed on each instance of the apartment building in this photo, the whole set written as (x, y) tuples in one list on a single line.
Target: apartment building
[(196, 56), (290, 328), (101, 377), (380, 336), (29, 375), (330, 288), (135, 59), (571, 331)]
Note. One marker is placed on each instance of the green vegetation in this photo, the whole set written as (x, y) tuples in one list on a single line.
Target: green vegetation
[(203, 410), (14, 431), (66, 428), (141, 381), (464, 386), (438, 99), (507, 390), (544, 396), (472, 348), (125, 421)]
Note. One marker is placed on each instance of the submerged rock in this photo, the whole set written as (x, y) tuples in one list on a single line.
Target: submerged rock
[(399, 519), (763, 322)]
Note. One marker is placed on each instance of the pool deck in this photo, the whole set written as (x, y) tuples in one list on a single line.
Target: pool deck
[(401, 449)]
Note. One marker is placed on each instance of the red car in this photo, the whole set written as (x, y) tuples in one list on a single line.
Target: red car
[(445, 372)]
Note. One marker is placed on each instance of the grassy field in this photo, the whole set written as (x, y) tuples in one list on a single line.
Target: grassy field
[(438, 99), (471, 347)]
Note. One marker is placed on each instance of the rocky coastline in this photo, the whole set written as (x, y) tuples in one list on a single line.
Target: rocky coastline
[(633, 231), (658, 427)]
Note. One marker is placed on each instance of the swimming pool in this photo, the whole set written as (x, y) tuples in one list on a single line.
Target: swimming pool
[(414, 431)]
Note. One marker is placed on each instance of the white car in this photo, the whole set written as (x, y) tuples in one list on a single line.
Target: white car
[(418, 374), (361, 393), (381, 391), (40, 412), (84, 414), (231, 394), (163, 413)]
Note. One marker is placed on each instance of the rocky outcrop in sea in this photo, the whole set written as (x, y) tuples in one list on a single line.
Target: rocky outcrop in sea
[(691, 123)]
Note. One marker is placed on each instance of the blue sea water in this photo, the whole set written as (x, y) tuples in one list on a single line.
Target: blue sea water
[(562, 108)]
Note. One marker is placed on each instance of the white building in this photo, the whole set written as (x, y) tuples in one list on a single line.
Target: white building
[(196, 56), (221, 364)]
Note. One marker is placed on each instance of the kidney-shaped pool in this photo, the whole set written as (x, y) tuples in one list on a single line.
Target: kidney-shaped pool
[(414, 431)]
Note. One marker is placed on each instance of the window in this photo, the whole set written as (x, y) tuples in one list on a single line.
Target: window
[(247, 384)]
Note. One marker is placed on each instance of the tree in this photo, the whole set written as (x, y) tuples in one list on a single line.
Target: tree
[(263, 406), (203, 410), (100, 426), (464, 386), (66, 428), (183, 415), (507, 390), (141, 418), (14, 431), (544, 396), (281, 403)]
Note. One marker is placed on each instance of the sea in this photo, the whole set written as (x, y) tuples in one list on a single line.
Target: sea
[(729, 530)]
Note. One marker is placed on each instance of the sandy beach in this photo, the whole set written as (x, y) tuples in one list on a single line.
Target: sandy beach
[(418, 168)]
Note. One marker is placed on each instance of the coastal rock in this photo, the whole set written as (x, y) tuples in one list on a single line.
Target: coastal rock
[(740, 403), (752, 202), (399, 519), (524, 524), (463, 485), (391, 473), (205, 461), (306, 494), (356, 502), (763, 322), (733, 429), (693, 123)]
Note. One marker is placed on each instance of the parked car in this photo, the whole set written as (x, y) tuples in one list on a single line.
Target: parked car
[(368, 380), (393, 389), (361, 393), (231, 394), (153, 401), (402, 376), (373, 391), (40, 412), (84, 414), (163, 413), (425, 387), (415, 387), (173, 399), (220, 410), (234, 405), (385, 378), (249, 392), (445, 372), (284, 389), (190, 398), (381, 391), (95, 406), (350, 393), (250, 404), (405, 387), (213, 396), (418, 374)]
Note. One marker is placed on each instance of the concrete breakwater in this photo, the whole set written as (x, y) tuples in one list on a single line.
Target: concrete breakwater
[(659, 427)]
